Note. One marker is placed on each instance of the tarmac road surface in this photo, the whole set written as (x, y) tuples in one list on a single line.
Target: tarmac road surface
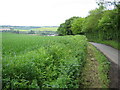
[(108, 51), (113, 56)]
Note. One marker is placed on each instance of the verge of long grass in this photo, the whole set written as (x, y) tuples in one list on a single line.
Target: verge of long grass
[(104, 67)]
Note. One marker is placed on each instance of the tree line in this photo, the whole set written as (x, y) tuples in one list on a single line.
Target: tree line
[(101, 23)]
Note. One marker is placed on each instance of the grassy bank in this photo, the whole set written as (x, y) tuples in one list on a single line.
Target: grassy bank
[(95, 74), (104, 66)]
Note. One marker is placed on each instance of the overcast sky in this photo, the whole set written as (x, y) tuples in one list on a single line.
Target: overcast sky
[(42, 12)]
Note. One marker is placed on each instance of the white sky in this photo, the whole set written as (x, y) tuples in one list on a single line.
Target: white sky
[(42, 12)]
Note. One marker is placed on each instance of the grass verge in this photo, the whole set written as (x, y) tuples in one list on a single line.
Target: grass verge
[(95, 73)]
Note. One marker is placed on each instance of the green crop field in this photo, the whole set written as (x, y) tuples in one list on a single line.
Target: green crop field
[(42, 61), (40, 29), (46, 29)]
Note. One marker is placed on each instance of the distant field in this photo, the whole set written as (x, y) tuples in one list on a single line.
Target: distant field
[(46, 29), (41, 29)]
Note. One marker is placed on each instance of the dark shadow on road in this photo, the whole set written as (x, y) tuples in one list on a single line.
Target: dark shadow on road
[(114, 75)]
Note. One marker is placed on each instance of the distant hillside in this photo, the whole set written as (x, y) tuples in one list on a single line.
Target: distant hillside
[(40, 30), (45, 29), (24, 27)]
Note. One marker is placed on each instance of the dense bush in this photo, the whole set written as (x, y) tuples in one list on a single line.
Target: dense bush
[(77, 26), (42, 62), (65, 28)]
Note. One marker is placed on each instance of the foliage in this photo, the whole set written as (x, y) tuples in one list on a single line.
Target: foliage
[(108, 25), (91, 21), (65, 28), (42, 62), (61, 30), (100, 25), (76, 26), (108, 3), (31, 32)]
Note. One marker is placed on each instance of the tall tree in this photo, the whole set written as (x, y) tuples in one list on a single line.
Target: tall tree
[(109, 25), (65, 28), (91, 21), (108, 3), (61, 30), (76, 26)]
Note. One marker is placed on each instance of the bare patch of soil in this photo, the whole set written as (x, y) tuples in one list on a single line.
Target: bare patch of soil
[(90, 73)]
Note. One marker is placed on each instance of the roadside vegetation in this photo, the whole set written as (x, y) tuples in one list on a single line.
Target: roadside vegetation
[(96, 69), (52, 62), (101, 25), (103, 67), (42, 61)]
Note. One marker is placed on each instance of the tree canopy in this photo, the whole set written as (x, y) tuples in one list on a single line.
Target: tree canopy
[(101, 23)]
